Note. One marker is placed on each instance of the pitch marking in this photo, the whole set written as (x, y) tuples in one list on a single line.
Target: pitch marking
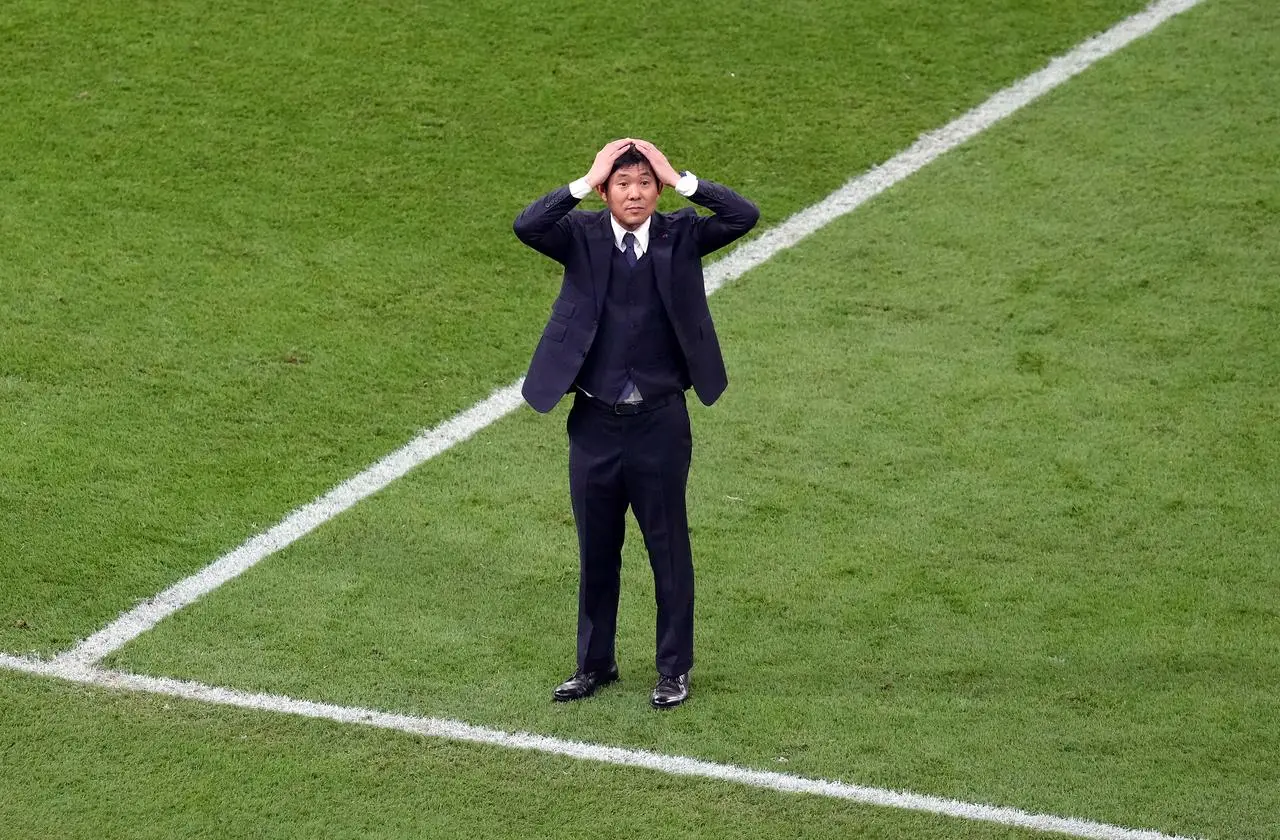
[(675, 765), (431, 443), (77, 664)]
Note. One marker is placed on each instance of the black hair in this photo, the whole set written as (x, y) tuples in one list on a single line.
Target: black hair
[(631, 157)]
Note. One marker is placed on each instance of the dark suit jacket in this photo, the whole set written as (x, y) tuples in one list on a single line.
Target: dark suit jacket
[(583, 242)]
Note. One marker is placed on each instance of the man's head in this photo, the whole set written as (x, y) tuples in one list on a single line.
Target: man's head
[(631, 191)]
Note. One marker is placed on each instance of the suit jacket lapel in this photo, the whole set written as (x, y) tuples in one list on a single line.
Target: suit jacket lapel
[(660, 252), (600, 252)]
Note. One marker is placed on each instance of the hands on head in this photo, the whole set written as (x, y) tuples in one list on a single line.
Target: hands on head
[(602, 166), (662, 168)]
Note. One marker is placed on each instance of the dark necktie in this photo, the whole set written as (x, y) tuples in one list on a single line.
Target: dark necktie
[(629, 391), (629, 249)]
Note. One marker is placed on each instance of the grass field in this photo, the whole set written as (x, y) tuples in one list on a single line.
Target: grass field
[(989, 511)]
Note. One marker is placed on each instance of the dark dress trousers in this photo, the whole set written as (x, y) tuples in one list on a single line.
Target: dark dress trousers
[(648, 324)]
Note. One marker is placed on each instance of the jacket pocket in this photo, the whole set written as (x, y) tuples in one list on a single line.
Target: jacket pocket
[(562, 308), (554, 331)]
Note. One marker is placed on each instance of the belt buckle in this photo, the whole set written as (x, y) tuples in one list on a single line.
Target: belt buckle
[(624, 408)]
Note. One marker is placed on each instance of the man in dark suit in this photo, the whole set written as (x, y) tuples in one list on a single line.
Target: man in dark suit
[(629, 332)]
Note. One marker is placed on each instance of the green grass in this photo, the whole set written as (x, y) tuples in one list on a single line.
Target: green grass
[(249, 251), (158, 768), (988, 511)]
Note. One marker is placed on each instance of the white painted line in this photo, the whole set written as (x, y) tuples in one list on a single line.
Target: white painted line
[(675, 765), (929, 147), (301, 522), (431, 443)]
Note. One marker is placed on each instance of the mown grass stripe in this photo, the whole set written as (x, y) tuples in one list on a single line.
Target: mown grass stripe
[(675, 765), (433, 442)]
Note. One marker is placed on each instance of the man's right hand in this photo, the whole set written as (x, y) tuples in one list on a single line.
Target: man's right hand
[(603, 164)]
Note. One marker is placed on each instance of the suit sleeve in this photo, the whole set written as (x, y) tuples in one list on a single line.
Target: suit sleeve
[(732, 216), (544, 225)]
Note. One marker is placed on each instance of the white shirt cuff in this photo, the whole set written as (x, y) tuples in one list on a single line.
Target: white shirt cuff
[(687, 185), (580, 188)]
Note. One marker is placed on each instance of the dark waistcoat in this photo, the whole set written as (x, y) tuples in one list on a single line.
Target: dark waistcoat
[(634, 339)]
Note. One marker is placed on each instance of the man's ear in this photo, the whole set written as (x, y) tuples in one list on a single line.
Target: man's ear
[(603, 190)]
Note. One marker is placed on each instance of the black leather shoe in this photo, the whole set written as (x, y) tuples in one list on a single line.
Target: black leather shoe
[(670, 691), (584, 684)]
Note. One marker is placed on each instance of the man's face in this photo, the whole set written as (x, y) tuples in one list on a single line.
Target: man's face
[(632, 195)]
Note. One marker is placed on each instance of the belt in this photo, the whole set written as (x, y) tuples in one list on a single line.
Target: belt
[(627, 408)]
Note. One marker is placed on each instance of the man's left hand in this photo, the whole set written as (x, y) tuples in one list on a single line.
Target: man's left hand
[(662, 168)]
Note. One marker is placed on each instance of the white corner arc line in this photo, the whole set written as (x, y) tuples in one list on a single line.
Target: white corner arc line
[(454, 730), (432, 442)]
